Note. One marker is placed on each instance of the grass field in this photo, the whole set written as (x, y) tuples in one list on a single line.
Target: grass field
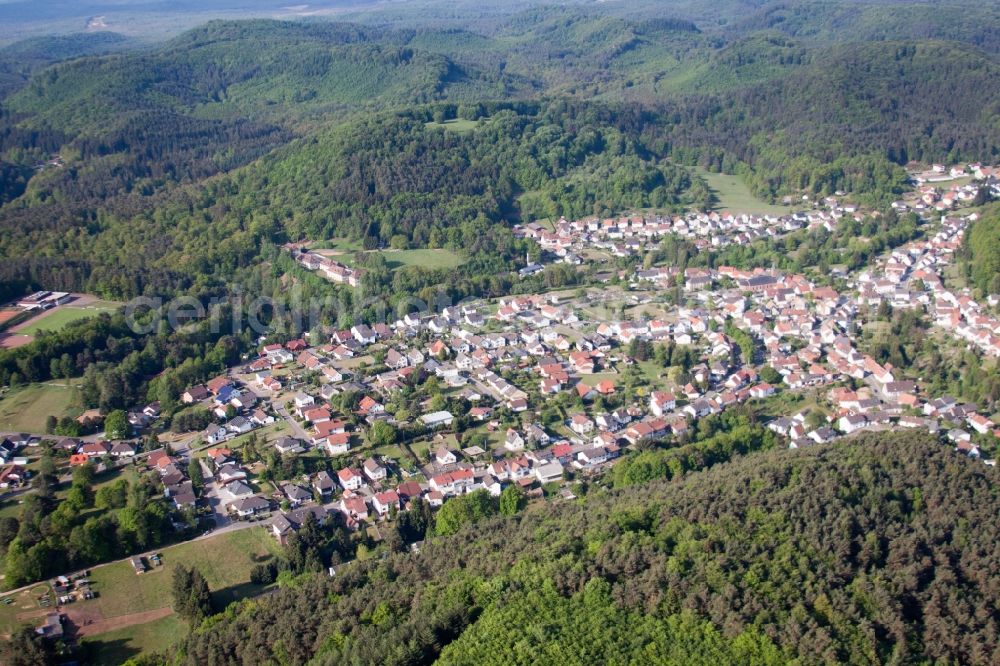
[(116, 647), (224, 560), (734, 195), (344, 251), (459, 125), (428, 258), (56, 319), (26, 408)]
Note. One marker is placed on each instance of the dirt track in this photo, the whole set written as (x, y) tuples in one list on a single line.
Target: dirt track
[(112, 623), (12, 341)]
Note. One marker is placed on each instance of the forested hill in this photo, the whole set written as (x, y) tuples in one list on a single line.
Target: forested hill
[(227, 69), (883, 549), (185, 162)]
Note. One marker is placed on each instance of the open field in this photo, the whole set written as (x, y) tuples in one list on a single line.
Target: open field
[(335, 247), (344, 251), (115, 647), (459, 125), (225, 561), (428, 258), (26, 408), (734, 195), (57, 318)]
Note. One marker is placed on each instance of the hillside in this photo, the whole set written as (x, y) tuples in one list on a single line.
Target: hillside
[(867, 20), (226, 69), (169, 163), (881, 549)]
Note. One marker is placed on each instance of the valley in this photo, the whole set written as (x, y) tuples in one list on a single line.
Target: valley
[(514, 333)]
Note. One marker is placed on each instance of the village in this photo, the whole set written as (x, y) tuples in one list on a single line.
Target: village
[(548, 390)]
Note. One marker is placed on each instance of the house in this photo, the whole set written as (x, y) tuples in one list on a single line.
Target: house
[(661, 403), (122, 450), (261, 418), (316, 415), (239, 425), (481, 413), (350, 479), (336, 444), (385, 502), (215, 434), (284, 524), (369, 405), (219, 384), (288, 445), (606, 387), (440, 419), (52, 627), (536, 433), (409, 490), (549, 472), (195, 394), (852, 422), (184, 496), (892, 391), (230, 472), (698, 409), (822, 435), (138, 565), (330, 427), (980, 423), (249, 506), (355, 509), (517, 404), (395, 360), (324, 484), (457, 482), (363, 334), (581, 424), (295, 494), (513, 441), (303, 400), (373, 470), (592, 457), (95, 449), (239, 489), (445, 457), (12, 476), (761, 390)]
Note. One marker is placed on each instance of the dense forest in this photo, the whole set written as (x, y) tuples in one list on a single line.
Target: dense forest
[(982, 252), (880, 549)]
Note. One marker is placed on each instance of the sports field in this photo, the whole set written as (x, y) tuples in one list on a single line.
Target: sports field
[(57, 318)]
